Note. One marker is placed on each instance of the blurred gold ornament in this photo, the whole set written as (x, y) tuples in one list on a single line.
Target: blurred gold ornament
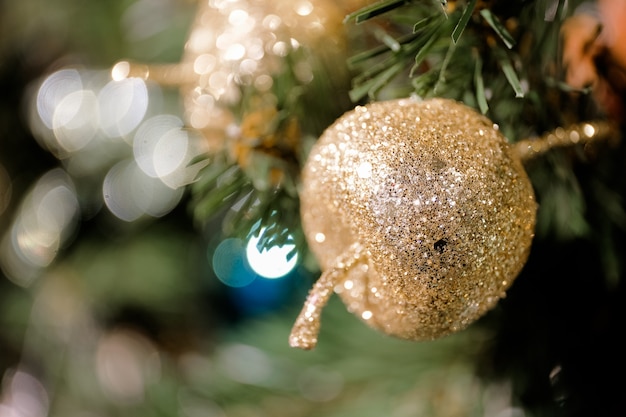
[(420, 214), (236, 51)]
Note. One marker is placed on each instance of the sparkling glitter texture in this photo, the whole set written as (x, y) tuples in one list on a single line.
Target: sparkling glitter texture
[(439, 205)]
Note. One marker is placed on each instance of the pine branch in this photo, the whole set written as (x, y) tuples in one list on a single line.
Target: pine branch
[(438, 47)]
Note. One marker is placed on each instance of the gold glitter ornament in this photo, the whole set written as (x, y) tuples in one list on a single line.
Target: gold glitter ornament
[(420, 214)]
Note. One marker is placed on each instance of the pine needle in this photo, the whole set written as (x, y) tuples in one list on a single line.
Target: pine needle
[(462, 23), (374, 10), (495, 24)]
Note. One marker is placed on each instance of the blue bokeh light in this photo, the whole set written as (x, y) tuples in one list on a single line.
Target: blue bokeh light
[(229, 263)]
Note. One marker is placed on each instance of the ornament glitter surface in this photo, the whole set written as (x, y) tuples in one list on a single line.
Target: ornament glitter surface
[(419, 214)]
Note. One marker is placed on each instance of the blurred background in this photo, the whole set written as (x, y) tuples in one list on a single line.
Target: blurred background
[(114, 302)]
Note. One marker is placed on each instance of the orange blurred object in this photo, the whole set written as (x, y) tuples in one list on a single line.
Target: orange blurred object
[(594, 54)]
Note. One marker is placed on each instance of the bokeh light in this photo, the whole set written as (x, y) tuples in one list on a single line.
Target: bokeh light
[(130, 194), (56, 87), (273, 262), (46, 218), (74, 107), (75, 120), (148, 136), (126, 364), (246, 364), (229, 263), (100, 125), (251, 293), (320, 384), (24, 395), (123, 105), (164, 149)]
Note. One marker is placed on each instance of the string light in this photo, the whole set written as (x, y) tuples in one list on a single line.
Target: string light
[(272, 262)]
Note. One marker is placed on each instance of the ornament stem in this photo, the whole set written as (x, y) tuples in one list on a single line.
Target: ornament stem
[(579, 134), (307, 326), (172, 75)]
